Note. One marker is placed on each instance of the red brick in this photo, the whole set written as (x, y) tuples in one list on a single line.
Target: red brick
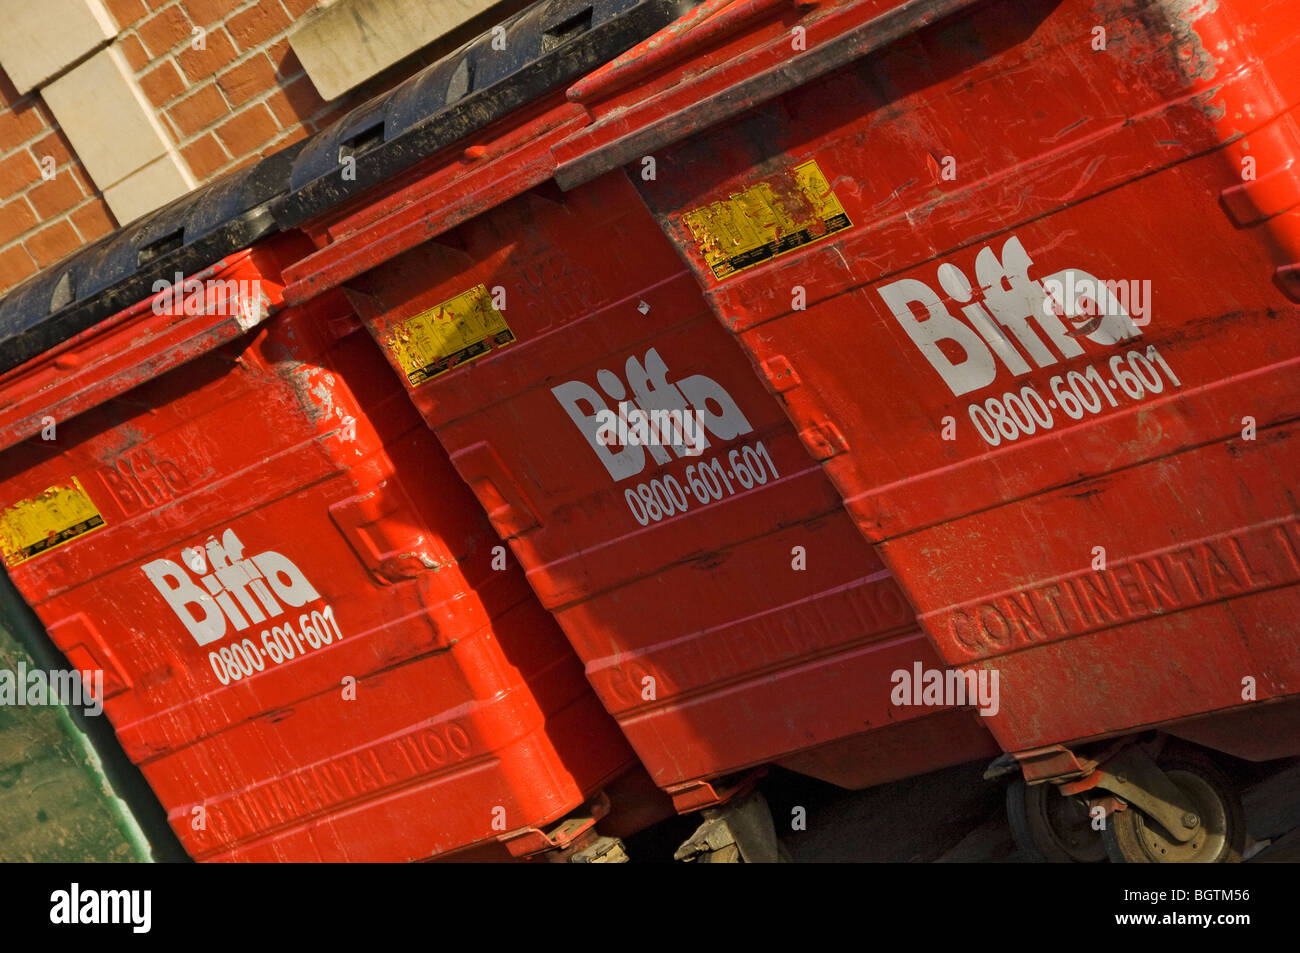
[(282, 110), (79, 173), (257, 24), (205, 12), (126, 12), (296, 102), (135, 52), (47, 117), (325, 120), (56, 196), (297, 8), (8, 92), (16, 217), (53, 242), (285, 59), (202, 64), (17, 172), (205, 156), (169, 124), (248, 80), (15, 265), (163, 84), (248, 131), (195, 112), (298, 132), (93, 220), (20, 124), (164, 30), (55, 145)]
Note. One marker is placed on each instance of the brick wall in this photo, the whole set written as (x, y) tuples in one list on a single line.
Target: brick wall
[(216, 84), (40, 221)]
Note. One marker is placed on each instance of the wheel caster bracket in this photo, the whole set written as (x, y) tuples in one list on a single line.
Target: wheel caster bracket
[(1134, 777), (745, 822)]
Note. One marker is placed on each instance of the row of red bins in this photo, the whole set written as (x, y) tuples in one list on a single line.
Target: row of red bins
[(855, 388)]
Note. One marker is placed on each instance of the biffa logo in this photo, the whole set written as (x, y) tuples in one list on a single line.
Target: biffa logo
[(662, 416), (967, 356), (236, 590)]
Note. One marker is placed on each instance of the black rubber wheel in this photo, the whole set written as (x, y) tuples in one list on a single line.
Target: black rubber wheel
[(1133, 838), (1051, 828)]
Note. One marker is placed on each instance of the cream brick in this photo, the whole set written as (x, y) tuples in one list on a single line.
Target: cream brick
[(106, 118), (41, 37), (347, 42), (151, 187)]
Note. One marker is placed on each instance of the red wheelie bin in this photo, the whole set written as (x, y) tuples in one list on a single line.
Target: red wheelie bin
[(311, 641), (1024, 277), (729, 614)]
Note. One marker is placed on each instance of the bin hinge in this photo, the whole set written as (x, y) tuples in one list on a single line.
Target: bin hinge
[(1270, 186), (507, 505), (1270, 173), (818, 432), (778, 374), (384, 531), (87, 651)]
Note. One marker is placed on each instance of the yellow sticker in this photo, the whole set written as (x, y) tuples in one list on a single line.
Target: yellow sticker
[(766, 220), (448, 335), (57, 516)]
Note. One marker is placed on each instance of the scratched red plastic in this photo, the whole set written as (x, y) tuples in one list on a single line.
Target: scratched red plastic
[(308, 650), (1099, 503)]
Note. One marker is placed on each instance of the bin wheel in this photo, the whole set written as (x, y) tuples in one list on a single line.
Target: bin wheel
[(1133, 838), (1051, 828)]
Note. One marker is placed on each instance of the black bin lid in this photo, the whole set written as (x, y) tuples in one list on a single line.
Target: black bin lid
[(121, 269), (545, 46)]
